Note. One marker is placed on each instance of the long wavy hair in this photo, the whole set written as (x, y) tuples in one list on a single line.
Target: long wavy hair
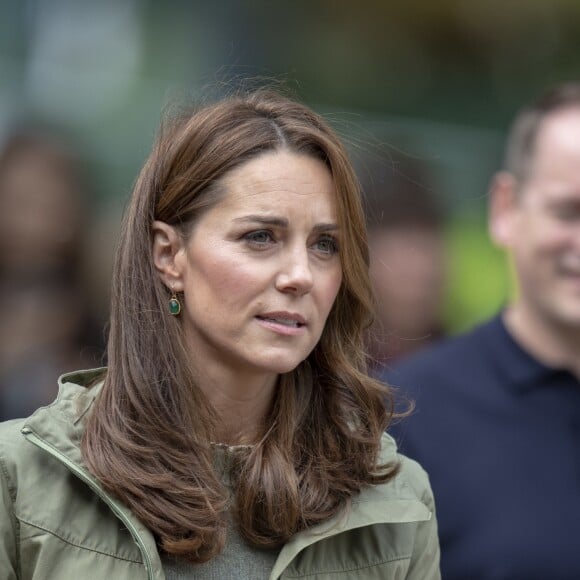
[(148, 436)]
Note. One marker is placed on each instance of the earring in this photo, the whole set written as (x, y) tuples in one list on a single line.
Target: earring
[(174, 305)]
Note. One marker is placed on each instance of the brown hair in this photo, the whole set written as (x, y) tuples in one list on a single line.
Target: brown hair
[(521, 140), (147, 439)]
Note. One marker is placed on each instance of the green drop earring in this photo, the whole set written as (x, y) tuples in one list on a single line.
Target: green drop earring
[(174, 304)]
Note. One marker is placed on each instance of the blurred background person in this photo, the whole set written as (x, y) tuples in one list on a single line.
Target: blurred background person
[(497, 423), (47, 321), (405, 219)]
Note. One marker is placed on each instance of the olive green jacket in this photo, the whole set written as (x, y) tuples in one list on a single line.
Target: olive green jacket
[(57, 523)]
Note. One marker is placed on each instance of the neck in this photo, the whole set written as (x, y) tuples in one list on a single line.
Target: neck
[(241, 402), (553, 344)]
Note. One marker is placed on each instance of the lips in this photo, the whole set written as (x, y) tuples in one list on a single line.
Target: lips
[(289, 319)]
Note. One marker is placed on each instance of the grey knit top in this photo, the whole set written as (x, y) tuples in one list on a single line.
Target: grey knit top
[(238, 560)]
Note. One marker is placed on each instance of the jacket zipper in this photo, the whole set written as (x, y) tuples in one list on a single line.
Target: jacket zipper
[(81, 475)]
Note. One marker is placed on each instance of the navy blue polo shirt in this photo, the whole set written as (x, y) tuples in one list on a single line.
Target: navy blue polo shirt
[(499, 435)]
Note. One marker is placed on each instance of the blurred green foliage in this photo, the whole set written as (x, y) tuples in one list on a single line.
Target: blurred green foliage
[(478, 281)]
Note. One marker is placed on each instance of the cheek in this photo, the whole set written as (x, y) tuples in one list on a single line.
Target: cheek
[(541, 234), (228, 278), (561, 237), (536, 257), (542, 248), (329, 291), (233, 280)]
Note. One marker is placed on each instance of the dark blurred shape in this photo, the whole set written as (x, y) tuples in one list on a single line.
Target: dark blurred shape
[(47, 327), (408, 267)]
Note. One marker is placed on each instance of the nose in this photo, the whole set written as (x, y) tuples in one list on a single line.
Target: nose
[(295, 276)]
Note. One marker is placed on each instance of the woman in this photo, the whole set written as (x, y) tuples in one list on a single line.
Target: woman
[(235, 433)]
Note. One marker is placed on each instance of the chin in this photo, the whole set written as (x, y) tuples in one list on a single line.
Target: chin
[(281, 360), (282, 366), (283, 369)]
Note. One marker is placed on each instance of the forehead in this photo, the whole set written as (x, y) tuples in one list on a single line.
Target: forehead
[(557, 148), (554, 174), (280, 180)]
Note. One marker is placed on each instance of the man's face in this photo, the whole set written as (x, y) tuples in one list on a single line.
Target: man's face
[(543, 227)]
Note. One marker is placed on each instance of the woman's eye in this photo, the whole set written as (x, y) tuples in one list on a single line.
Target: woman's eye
[(259, 238), (327, 245)]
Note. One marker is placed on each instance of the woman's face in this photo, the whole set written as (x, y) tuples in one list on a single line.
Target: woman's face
[(261, 269)]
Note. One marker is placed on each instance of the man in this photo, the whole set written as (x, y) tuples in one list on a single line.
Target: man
[(497, 419)]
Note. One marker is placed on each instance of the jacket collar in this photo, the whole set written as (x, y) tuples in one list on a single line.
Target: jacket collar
[(62, 423), (389, 503)]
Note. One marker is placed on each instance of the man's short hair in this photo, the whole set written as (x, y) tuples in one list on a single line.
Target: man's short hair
[(522, 136)]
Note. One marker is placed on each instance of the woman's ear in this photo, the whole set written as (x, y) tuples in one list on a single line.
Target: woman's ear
[(168, 253)]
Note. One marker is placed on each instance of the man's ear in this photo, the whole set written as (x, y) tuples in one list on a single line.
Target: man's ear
[(503, 205), (168, 255)]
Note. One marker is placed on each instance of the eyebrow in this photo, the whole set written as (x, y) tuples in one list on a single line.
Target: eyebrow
[(282, 222)]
